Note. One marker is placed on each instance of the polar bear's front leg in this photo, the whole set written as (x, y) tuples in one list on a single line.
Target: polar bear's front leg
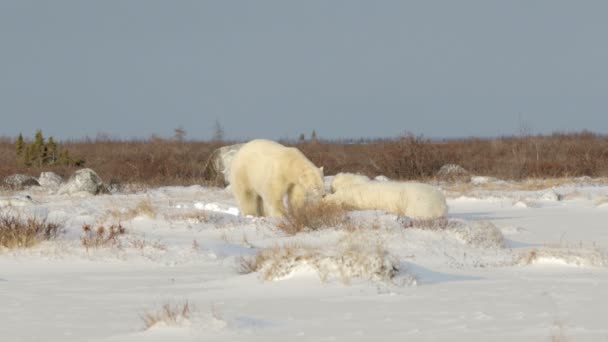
[(273, 207)]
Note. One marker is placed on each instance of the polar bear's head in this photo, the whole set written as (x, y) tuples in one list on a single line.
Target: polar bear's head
[(343, 180), (312, 183)]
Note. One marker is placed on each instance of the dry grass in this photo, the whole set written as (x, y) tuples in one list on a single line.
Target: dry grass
[(16, 232), (168, 162), (569, 255), (102, 236), (351, 261), (439, 223), (314, 216), (458, 189), (483, 234), (143, 208), (601, 201), (168, 315), (195, 216)]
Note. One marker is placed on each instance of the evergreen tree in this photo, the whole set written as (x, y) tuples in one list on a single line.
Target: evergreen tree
[(51, 152), (64, 158), (313, 136), (38, 149), (27, 155), (39, 153), (20, 145)]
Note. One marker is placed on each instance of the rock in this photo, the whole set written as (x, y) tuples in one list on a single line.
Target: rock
[(382, 178), (217, 168), (453, 173), (20, 181), (84, 181), (50, 180)]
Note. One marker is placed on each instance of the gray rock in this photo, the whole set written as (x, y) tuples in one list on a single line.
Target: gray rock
[(84, 181), (50, 180), (217, 168), (382, 178), (453, 173), (20, 181)]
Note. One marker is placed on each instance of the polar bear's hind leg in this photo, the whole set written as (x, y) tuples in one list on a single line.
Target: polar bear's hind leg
[(248, 202)]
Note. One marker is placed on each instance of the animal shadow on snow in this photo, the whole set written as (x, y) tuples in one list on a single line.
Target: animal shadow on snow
[(477, 216), (425, 276), (518, 244)]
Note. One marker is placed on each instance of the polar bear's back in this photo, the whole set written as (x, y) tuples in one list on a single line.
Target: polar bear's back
[(343, 180), (417, 200), (254, 161), (260, 162)]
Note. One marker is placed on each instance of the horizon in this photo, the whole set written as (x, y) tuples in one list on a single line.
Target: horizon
[(109, 138)]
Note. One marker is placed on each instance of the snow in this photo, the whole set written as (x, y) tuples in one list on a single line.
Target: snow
[(509, 264)]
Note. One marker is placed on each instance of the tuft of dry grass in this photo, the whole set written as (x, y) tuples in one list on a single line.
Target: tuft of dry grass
[(102, 236), (428, 224), (16, 232), (352, 261), (143, 208), (570, 255), (314, 216), (168, 315), (602, 201), (196, 216)]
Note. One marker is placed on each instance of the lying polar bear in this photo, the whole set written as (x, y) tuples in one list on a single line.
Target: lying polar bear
[(416, 200)]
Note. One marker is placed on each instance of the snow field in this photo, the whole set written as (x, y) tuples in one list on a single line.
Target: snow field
[(494, 269)]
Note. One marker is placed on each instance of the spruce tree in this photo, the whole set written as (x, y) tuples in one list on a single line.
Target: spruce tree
[(51, 151), (313, 136), (38, 149), (20, 145)]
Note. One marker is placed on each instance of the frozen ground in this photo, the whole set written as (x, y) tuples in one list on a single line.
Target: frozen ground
[(546, 282)]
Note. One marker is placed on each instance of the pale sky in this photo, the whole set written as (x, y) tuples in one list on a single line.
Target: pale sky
[(275, 69)]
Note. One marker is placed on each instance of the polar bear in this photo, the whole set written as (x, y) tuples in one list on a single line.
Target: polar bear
[(416, 200), (263, 172)]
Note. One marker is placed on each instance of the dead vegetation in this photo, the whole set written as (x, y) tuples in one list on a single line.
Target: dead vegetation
[(314, 216), (102, 236), (157, 161), (19, 232), (142, 208), (353, 261), (168, 315), (576, 255)]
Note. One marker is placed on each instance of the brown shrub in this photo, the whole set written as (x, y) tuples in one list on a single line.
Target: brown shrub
[(102, 236), (313, 216), (169, 314), (16, 232), (169, 162)]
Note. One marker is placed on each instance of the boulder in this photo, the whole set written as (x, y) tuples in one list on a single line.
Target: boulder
[(84, 181), (50, 180), (19, 181), (453, 173), (217, 168), (381, 178)]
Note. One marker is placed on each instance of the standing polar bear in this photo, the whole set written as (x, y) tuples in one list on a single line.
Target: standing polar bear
[(263, 172), (416, 200)]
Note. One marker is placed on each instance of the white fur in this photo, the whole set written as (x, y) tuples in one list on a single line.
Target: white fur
[(263, 172), (416, 200)]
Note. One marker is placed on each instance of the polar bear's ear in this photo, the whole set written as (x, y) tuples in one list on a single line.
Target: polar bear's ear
[(321, 168)]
